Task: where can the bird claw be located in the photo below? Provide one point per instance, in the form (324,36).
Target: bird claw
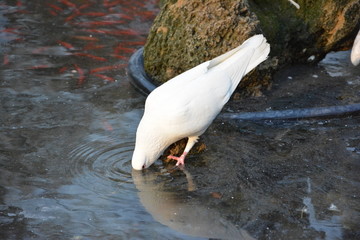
(180,160)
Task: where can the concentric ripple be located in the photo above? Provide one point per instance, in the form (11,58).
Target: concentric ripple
(102,164)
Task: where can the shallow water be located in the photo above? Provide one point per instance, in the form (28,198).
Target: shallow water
(67,131)
(68,118)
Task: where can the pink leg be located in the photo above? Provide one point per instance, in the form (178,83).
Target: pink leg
(180,160)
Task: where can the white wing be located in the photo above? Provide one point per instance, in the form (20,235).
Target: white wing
(187,104)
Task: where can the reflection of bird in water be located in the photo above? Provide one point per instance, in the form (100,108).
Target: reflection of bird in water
(186,105)
(186,215)
(355,51)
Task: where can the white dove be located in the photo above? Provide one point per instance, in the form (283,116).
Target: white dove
(355,51)
(187,104)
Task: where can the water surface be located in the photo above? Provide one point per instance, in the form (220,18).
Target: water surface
(68,117)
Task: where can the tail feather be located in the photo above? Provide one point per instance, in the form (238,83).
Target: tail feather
(241,60)
(260,54)
(236,63)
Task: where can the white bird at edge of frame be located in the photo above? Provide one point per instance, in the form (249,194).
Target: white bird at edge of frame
(355,51)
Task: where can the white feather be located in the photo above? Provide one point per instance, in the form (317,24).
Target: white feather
(295,4)
(186,105)
(355,51)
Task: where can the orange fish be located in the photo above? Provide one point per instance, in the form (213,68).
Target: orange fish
(147,14)
(109,4)
(94,31)
(68,3)
(72,16)
(119,57)
(91,46)
(85,5)
(107,78)
(123,49)
(140,4)
(6,59)
(40,66)
(97,23)
(86,38)
(90,56)
(53,13)
(10,30)
(55,7)
(107,68)
(129,32)
(94,14)
(63,69)
(81,73)
(66,45)
(135,43)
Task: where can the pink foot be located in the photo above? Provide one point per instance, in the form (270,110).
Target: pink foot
(180,160)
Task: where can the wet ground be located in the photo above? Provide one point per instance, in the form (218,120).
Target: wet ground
(68,117)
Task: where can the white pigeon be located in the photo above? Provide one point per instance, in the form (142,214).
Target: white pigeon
(187,104)
(355,51)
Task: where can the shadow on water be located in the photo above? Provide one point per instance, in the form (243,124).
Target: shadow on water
(182,210)
(68,117)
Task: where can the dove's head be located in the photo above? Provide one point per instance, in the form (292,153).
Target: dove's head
(150,144)
(145,155)
(139,160)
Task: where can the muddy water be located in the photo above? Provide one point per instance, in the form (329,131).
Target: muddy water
(68,117)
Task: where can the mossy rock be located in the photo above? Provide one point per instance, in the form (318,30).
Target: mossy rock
(315,29)
(187,33)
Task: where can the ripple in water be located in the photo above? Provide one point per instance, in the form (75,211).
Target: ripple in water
(102,164)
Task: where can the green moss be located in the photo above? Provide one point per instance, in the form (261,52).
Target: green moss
(187,33)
